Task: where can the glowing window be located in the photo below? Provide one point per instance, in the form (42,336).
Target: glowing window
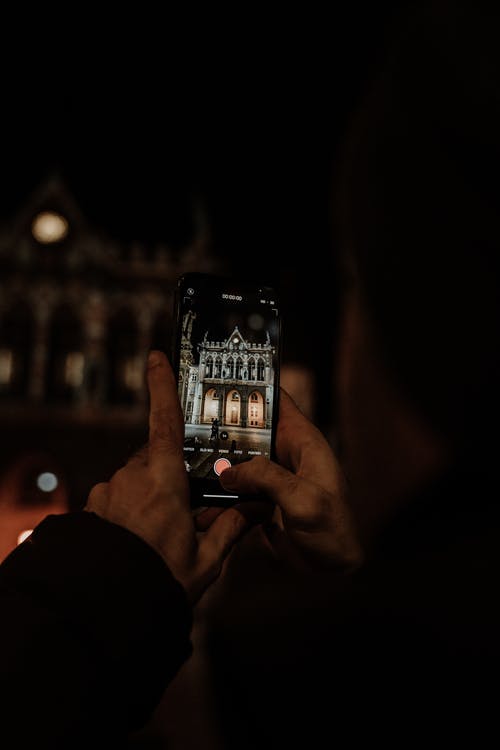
(6,366)
(73,369)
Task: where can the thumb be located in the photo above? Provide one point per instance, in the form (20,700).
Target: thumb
(260,476)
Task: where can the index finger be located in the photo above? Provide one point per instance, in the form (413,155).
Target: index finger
(166,423)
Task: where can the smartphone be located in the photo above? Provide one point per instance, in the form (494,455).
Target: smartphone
(226,356)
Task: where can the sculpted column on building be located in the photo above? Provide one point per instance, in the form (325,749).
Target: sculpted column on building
(44,302)
(197,377)
(95,365)
(232,380)
(186,358)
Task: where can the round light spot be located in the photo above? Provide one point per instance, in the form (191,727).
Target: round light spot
(49,226)
(47,482)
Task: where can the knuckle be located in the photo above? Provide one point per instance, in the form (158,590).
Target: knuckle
(235,521)
(156,489)
(140,455)
(97,495)
(209,567)
(322,508)
(98,489)
(160,413)
(291,482)
(163,420)
(163,433)
(316,509)
(122,475)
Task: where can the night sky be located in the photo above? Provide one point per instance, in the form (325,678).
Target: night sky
(245,118)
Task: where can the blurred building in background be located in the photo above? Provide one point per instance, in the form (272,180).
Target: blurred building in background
(79,311)
(78,314)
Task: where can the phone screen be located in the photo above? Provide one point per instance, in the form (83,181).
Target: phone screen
(227,352)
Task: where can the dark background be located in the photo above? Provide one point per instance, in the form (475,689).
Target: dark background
(240,114)
(244,115)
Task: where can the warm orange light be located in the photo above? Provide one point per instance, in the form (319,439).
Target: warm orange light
(6,366)
(133,373)
(48,227)
(23,535)
(74,369)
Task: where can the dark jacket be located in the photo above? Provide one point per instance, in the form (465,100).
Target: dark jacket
(93,626)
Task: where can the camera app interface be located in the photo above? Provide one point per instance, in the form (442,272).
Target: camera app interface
(228,358)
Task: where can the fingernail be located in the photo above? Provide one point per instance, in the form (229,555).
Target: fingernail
(154,359)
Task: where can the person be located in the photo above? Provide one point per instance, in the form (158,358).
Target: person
(214,433)
(98,604)
(401,651)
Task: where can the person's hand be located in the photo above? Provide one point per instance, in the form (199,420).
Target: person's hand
(150,494)
(312,524)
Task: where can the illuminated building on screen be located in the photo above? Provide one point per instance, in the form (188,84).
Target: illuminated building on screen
(233,380)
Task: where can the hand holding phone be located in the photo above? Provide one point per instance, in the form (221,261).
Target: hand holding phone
(226,354)
(149,496)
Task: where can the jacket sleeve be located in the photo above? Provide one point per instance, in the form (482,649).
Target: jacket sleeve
(93,626)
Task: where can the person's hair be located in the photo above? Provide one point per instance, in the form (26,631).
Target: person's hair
(418,205)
